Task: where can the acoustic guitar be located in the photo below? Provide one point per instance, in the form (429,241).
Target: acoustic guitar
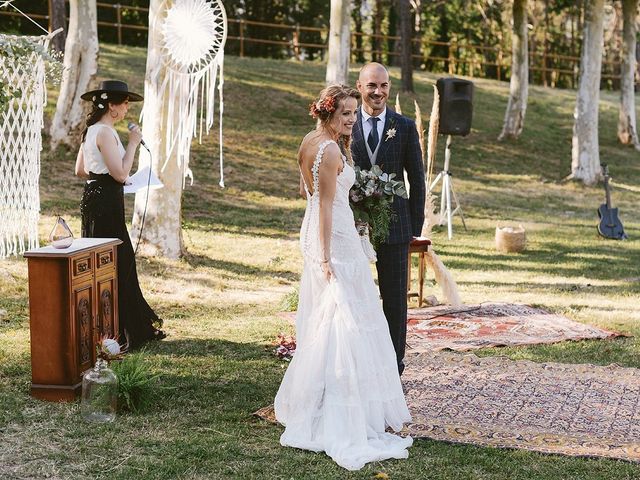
(610,225)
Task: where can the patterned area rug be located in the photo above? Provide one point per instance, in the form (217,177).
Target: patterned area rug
(577,410)
(491,325)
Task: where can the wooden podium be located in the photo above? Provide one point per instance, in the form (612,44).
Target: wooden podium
(73,302)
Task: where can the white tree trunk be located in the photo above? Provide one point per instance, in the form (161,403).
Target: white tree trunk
(627,133)
(585,155)
(80,66)
(339,42)
(162,230)
(519,83)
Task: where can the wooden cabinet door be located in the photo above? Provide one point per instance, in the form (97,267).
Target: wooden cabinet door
(82,325)
(106,324)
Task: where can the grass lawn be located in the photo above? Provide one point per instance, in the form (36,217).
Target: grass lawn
(220,303)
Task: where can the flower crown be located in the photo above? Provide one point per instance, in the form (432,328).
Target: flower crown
(327,106)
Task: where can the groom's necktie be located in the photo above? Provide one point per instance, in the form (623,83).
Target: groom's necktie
(373,135)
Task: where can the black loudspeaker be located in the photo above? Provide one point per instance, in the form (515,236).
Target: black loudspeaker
(456,105)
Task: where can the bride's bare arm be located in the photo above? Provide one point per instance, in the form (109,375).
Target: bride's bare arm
(303,193)
(327,178)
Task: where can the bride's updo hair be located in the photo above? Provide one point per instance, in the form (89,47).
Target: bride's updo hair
(327,104)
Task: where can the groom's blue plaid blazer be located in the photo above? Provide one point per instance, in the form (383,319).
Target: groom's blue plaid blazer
(395,155)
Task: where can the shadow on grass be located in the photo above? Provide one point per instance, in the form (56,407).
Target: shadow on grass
(619,351)
(238,267)
(599,261)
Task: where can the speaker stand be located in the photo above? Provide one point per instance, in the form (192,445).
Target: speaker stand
(447,193)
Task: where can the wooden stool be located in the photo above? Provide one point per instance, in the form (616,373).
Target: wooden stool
(419,246)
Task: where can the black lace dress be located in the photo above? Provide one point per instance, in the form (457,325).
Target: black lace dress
(102,211)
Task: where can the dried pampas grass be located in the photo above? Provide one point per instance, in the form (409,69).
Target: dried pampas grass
(431,218)
(432,138)
(444,279)
(397,107)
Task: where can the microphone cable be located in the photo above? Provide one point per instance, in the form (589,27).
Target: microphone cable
(131,126)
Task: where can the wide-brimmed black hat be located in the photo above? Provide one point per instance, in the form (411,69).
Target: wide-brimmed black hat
(111,86)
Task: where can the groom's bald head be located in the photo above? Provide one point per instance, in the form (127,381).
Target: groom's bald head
(374,68)
(373,84)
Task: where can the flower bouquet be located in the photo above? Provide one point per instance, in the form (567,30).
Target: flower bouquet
(285,347)
(370,198)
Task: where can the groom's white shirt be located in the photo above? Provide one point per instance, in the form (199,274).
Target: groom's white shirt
(366,124)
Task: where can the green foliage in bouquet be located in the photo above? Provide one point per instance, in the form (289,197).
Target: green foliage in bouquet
(135,383)
(371,198)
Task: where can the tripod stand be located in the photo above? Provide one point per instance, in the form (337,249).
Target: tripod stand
(447,193)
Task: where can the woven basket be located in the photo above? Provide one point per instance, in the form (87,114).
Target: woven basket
(510,239)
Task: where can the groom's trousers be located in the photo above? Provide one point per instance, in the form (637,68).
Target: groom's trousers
(392,280)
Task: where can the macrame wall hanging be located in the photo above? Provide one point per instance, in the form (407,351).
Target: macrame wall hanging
(193,34)
(22,68)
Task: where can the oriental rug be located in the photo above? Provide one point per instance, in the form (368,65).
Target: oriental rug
(568,409)
(491,325)
(576,410)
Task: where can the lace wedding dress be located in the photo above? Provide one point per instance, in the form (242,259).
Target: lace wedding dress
(342,388)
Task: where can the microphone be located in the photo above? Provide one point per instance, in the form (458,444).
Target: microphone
(131,126)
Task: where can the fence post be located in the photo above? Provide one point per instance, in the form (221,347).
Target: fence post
(544,66)
(241,38)
(296,42)
(119,20)
(499,62)
(451,60)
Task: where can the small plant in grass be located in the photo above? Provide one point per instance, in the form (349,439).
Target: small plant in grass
(135,383)
(289,302)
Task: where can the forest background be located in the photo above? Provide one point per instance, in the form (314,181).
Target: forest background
(461,37)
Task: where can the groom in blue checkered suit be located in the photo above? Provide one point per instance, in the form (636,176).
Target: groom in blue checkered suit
(384,138)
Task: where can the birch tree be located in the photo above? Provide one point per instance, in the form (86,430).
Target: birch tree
(585,155)
(627,133)
(519,82)
(162,210)
(339,42)
(80,66)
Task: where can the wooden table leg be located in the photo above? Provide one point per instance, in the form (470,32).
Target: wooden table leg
(421,267)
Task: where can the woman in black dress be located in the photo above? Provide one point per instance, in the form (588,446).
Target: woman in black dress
(105,163)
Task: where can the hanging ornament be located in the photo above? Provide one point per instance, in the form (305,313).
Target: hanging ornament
(193,34)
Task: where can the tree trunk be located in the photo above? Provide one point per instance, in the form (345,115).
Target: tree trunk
(376,41)
(585,155)
(162,229)
(393,45)
(357,21)
(406,37)
(57,20)
(80,66)
(519,83)
(627,133)
(417,32)
(339,42)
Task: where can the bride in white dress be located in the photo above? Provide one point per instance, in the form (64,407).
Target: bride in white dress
(342,388)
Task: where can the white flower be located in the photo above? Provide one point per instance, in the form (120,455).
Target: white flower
(111,346)
(104,96)
(390,134)
(100,105)
(93,99)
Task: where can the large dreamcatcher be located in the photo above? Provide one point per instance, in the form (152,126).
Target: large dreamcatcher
(192,38)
